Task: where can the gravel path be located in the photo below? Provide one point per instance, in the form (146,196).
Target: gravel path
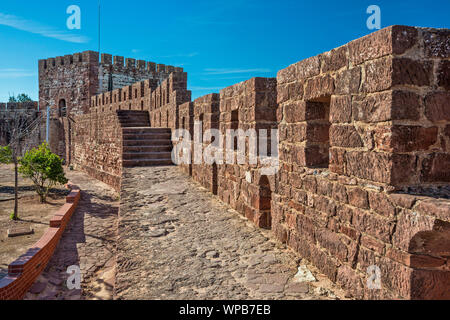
(177,241)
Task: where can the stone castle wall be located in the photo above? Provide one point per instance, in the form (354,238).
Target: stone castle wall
(68,83)
(364,157)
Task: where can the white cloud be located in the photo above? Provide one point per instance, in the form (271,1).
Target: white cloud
(37,28)
(16,73)
(234,71)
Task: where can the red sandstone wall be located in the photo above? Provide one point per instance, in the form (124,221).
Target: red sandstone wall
(186,117)
(371,104)
(97,145)
(165,100)
(247,105)
(206,110)
(356,124)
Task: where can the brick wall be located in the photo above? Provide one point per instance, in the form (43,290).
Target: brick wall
(247,105)
(97,146)
(206,111)
(364,146)
(186,122)
(368,105)
(26,269)
(166,99)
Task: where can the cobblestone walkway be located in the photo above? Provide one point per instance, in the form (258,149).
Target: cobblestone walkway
(88,242)
(177,241)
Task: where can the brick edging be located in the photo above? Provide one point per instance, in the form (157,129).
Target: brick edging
(26,269)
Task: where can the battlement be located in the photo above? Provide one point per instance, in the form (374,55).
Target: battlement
(106,60)
(10,106)
(143,95)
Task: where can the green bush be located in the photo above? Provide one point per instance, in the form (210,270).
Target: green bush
(44,168)
(5,155)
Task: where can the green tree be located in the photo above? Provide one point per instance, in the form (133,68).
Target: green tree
(23,97)
(44,168)
(6,155)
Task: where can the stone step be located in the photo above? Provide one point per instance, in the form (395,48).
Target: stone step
(147,136)
(146,155)
(133,116)
(133,143)
(146,162)
(135,124)
(131,112)
(138,130)
(149,148)
(138,120)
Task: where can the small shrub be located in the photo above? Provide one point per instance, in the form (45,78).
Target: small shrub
(12,216)
(44,168)
(6,155)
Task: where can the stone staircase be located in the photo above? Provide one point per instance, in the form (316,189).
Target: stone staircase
(143,145)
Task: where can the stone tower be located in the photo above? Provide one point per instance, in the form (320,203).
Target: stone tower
(67,83)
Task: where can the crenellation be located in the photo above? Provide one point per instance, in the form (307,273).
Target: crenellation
(106,59)
(51,62)
(141,64)
(118,61)
(77,58)
(151,66)
(90,57)
(170,69)
(60,61)
(160,68)
(130,63)
(68,59)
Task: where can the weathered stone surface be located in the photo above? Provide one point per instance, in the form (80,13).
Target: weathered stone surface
(394,39)
(335,59)
(209,252)
(435,168)
(358,197)
(345,136)
(341,109)
(320,87)
(437,106)
(437,43)
(444,74)
(399,138)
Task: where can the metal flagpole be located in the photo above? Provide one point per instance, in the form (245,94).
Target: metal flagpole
(99,54)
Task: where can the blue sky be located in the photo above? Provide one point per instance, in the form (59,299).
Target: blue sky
(219,43)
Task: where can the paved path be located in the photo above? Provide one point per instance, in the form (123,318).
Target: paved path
(88,242)
(177,241)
